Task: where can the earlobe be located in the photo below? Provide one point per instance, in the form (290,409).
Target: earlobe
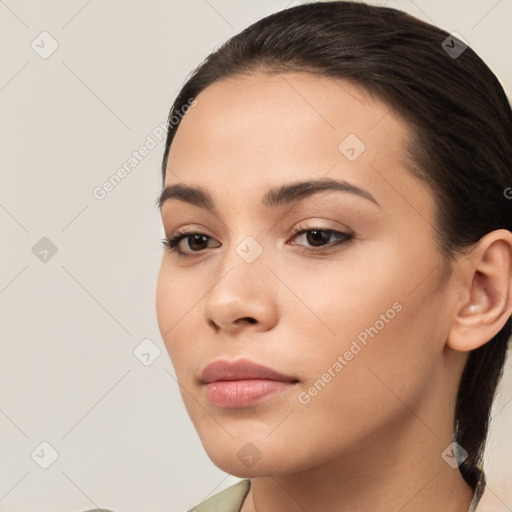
(488,302)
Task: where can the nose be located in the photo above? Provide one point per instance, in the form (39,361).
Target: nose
(242,298)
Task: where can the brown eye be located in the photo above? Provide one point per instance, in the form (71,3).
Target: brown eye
(197,242)
(318,238)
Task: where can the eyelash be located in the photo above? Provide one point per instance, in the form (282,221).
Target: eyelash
(172,242)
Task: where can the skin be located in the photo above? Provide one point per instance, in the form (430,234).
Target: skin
(372,438)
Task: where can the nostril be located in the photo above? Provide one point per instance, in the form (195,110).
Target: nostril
(249,319)
(213,324)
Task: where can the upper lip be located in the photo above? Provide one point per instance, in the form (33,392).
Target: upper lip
(240,370)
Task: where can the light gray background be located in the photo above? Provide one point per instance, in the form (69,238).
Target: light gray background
(69,326)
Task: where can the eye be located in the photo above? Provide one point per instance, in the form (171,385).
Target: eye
(193,242)
(318,238)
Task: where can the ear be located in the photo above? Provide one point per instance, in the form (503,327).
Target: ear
(487,298)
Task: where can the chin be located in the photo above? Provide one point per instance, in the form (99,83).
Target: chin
(245,460)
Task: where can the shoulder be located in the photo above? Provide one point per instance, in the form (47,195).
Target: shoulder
(228,500)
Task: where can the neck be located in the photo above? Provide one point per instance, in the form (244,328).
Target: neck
(403,472)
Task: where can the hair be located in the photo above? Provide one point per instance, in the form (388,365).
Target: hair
(460,143)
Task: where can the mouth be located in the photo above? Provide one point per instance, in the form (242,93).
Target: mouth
(242,383)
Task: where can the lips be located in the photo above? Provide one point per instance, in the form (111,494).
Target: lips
(242,383)
(242,369)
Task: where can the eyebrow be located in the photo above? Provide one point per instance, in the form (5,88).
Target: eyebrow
(281,195)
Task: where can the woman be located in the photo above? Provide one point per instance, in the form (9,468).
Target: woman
(335,293)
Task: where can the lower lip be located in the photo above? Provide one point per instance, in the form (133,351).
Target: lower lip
(243,393)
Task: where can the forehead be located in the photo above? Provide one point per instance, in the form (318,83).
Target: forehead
(286,113)
(287,101)
(250,132)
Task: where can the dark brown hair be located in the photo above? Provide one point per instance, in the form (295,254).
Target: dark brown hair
(461,135)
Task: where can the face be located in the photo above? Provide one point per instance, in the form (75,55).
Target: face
(336,284)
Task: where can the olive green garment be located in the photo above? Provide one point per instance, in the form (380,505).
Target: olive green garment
(228,500)
(232,498)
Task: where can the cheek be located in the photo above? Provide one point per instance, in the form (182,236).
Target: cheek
(165,305)
(174,306)
(379,313)
(346,294)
